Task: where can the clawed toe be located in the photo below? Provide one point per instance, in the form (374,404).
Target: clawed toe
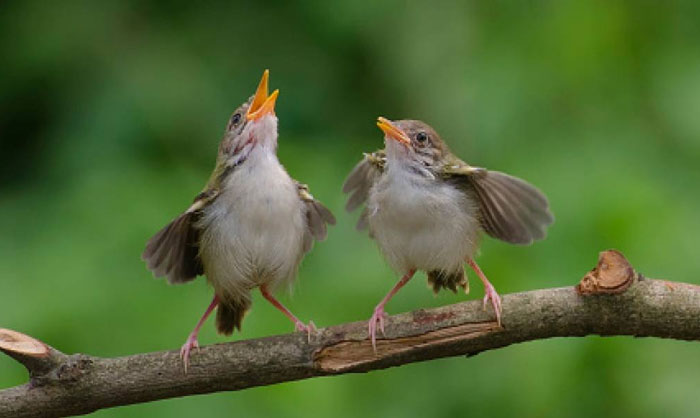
(377,319)
(186,349)
(308,329)
(495,299)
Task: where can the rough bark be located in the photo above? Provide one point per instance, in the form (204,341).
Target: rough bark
(610,300)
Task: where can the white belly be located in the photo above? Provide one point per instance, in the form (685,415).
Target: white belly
(253,232)
(422,224)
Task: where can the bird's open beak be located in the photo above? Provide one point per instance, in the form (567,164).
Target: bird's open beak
(262,103)
(392,131)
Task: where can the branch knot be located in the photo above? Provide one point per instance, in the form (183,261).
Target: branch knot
(613,274)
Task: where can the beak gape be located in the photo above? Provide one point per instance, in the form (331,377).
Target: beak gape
(263,103)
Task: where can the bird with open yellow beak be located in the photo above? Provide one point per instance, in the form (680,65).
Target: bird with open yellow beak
(427,209)
(249,228)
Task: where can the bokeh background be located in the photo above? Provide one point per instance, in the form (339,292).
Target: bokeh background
(110,116)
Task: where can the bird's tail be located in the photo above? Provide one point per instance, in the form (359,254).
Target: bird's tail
(230,314)
(439,279)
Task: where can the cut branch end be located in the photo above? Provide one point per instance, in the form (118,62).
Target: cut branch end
(36,356)
(22,344)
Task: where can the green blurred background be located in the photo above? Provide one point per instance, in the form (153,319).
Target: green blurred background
(110,116)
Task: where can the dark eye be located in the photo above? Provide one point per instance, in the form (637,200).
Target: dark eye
(235,119)
(421,137)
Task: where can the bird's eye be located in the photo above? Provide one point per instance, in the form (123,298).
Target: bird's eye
(235,119)
(421,137)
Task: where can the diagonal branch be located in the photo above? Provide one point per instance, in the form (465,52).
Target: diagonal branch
(611,300)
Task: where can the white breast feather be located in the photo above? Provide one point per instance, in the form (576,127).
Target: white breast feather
(422,223)
(253,233)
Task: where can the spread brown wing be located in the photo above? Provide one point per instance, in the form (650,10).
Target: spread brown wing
(173,251)
(511,209)
(317,217)
(360,181)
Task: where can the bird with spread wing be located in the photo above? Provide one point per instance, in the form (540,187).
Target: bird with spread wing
(427,209)
(249,228)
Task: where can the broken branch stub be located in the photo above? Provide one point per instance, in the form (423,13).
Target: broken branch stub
(612,274)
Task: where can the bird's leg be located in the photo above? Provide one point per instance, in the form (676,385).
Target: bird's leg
(379,314)
(489,290)
(192,339)
(298,325)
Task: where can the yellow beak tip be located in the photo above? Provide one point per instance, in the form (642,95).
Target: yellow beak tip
(392,131)
(261,98)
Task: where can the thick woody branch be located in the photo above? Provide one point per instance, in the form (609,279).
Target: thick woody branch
(611,300)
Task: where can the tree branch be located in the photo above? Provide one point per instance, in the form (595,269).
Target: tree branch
(610,300)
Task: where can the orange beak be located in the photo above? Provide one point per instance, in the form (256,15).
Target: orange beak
(262,103)
(392,131)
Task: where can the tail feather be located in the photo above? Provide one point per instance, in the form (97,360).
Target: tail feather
(229,315)
(438,279)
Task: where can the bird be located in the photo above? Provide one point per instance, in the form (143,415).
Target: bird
(249,228)
(427,210)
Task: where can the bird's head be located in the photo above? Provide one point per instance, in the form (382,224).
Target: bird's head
(412,143)
(253,124)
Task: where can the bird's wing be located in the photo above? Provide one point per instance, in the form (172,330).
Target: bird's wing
(173,251)
(317,216)
(360,181)
(510,209)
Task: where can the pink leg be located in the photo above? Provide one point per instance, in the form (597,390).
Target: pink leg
(192,339)
(298,325)
(379,314)
(489,290)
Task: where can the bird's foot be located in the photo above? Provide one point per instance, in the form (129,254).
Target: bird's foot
(187,348)
(308,329)
(377,319)
(492,295)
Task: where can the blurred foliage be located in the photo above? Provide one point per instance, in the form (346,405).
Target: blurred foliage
(111,112)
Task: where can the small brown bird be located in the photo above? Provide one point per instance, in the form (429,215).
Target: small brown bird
(426,209)
(250,226)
